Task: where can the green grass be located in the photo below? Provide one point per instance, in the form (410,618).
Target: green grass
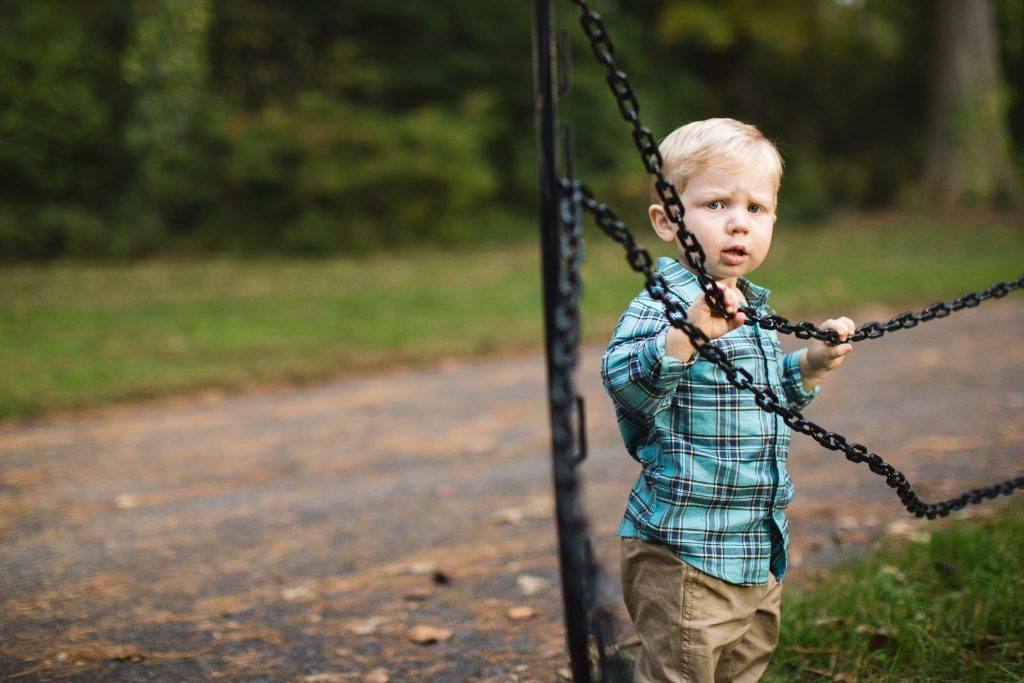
(949,609)
(76,335)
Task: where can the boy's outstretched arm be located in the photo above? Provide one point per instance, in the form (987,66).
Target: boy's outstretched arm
(819,358)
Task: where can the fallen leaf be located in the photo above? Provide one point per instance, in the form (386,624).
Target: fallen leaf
(848,522)
(296,592)
(531,585)
(377,676)
(422,634)
(126,501)
(520,613)
(892,571)
(421,568)
(511,516)
(906,530)
(368,626)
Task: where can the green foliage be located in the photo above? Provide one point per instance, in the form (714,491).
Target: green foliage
(947,609)
(141,127)
(326,175)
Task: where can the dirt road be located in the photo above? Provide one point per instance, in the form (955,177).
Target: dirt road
(299,535)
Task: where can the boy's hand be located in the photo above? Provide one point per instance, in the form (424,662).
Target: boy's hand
(699,314)
(819,358)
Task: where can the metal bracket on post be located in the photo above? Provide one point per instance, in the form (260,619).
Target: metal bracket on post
(564,63)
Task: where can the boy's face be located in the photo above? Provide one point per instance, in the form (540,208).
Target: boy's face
(732,214)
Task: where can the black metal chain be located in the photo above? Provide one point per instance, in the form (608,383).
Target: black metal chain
(647,144)
(640,260)
(629,107)
(874,330)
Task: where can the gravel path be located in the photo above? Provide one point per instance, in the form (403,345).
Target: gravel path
(301,535)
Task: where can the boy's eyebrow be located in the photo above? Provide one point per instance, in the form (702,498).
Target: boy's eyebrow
(713,192)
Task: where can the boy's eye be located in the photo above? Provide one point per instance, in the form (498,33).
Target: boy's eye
(714,204)
(754,208)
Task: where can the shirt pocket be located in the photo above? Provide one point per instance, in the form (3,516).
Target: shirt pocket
(743,350)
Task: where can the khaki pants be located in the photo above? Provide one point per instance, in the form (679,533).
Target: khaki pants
(694,627)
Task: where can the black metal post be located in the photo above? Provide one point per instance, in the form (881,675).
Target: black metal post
(570,541)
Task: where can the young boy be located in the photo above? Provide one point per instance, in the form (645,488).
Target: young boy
(704,535)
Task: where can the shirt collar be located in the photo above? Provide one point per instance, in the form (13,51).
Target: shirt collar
(679,276)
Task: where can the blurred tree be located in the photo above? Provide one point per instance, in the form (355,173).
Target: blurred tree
(1010,28)
(969,159)
(165,63)
(837,84)
(336,136)
(61,104)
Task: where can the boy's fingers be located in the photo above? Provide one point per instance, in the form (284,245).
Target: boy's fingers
(844,327)
(849,327)
(730,298)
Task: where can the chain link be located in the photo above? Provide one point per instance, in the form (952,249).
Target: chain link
(647,145)
(641,261)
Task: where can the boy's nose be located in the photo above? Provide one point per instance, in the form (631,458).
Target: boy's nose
(737,222)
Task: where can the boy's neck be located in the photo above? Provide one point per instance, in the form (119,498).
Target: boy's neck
(732,283)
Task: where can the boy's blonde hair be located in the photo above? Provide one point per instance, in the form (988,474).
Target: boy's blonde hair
(723,143)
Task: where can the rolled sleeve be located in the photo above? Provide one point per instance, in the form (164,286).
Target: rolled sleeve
(638,375)
(792,382)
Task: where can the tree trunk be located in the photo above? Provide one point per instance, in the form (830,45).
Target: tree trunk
(968,160)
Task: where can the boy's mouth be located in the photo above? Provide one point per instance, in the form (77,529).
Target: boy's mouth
(734,255)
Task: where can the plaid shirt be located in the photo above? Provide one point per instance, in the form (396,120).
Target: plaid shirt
(713,484)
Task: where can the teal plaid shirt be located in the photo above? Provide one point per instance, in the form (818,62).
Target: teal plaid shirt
(713,485)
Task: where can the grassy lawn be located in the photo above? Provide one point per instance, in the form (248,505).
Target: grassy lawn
(78,335)
(945,609)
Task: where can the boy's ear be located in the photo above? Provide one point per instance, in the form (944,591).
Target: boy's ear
(664,228)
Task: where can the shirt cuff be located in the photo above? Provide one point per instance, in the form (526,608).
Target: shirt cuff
(670,365)
(792,382)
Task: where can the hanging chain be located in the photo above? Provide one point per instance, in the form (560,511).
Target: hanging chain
(629,107)
(647,144)
(640,260)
